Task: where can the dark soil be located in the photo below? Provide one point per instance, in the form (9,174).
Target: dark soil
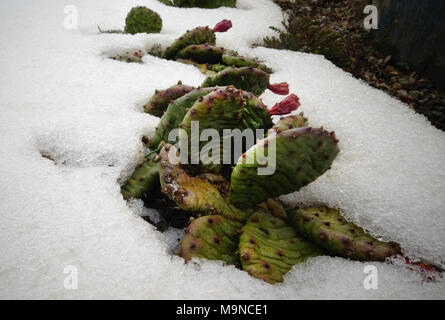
(335,29)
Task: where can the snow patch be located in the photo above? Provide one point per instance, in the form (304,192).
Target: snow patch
(60,95)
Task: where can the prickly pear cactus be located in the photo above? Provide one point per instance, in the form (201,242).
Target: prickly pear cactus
(199,35)
(142,20)
(269,247)
(232,58)
(159,102)
(175,114)
(202,53)
(326,227)
(302,155)
(246,78)
(194,194)
(144,180)
(212,237)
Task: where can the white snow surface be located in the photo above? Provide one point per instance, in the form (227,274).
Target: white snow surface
(61,97)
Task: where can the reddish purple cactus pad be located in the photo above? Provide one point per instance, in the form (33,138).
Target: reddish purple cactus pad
(286,106)
(223,26)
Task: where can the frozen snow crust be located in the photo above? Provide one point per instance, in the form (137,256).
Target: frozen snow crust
(61,97)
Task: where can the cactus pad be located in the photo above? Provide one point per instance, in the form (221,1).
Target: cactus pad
(246,78)
(327,228)
(175,114)
(302,155)
(144,180)
(199,35)
(129,57)
(290,122)
(142,20)
(156,50)
(222,109)
(195,194)
(269,247)
(159,102)
(289,104)
(211,237)
(218,67)
(202,53)
(232,58)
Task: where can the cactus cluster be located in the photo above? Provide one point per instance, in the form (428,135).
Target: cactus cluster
(234,214)
(223,67)
(197,47)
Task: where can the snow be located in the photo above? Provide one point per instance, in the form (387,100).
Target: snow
(62,98)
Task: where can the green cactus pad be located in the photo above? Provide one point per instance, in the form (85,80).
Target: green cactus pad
(225,108)
(195,194)
(212,237)
(290,122)
(269,247)
(327,228)
(302,155)
(246,78)
(204,68)
(135,57)
(175,114)
(199,35)
(142,20)
(145,179)
(202,53)
(156,50)
(207,4)
(232,58)
(159,102)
